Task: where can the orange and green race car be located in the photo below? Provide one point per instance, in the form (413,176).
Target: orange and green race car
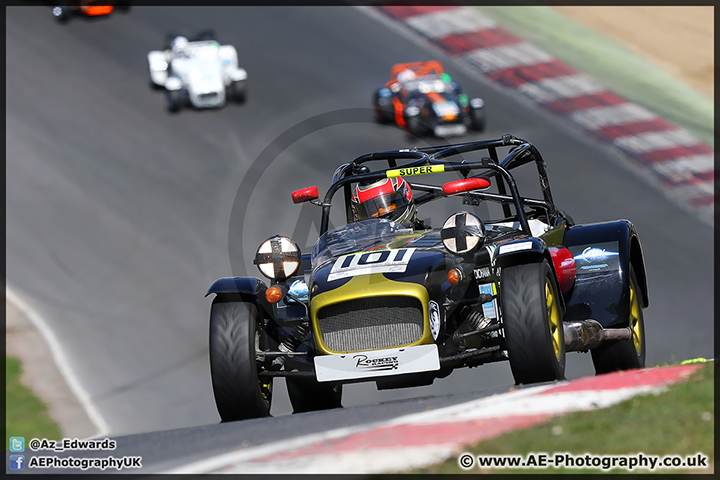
(88,8)
(423,99)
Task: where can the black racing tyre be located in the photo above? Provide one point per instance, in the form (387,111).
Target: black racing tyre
(624,354)
(167,43)
(234,339)
(415,126)
(237,91)
(477,119)
(155,86)
(308,395)
(382,115)
(532,320)
(173,101)
(208,34)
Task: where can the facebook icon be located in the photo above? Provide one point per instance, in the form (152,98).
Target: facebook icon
(17,462)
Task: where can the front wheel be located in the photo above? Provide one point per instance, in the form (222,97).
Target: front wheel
(237,91)
(308,395)
(477,119)
(624,354)
(173,101)
(234,342)
(532,321)
(415,126)
(380,107)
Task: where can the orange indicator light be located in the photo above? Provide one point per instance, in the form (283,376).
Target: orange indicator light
(274,294)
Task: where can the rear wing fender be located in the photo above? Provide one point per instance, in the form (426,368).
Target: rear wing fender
(603,254)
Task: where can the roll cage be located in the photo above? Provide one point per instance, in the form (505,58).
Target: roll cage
(432,159)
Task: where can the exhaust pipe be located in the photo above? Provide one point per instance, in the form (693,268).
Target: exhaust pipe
(588,334)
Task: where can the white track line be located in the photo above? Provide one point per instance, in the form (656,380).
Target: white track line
(651,141)
(61,361)
(599,117)
(443,23)
(528,401)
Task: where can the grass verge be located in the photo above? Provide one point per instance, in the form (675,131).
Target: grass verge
(612,64)
(25,414)
(677,422)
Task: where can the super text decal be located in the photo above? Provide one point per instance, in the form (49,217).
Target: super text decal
(409,171)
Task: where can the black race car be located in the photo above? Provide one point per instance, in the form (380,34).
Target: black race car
(422,98)
(401,304)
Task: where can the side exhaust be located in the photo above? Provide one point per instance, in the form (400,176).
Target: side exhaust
(588,334)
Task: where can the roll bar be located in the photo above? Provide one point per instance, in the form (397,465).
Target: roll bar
(430,160)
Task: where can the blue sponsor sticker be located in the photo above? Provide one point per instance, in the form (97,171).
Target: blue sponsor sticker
(488,308)
(299,289)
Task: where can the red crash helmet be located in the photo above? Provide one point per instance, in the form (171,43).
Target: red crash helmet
(388,198)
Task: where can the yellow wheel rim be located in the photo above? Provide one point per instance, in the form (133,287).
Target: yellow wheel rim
(635,313)
(553,320)
(266,389)
(264,382)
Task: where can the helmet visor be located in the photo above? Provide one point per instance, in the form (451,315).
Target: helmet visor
(380,206)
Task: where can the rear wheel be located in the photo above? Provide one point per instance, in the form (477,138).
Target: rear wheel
(308,395)
(234,342)
(532,321)
(204,35)
(624,354)
(169,37)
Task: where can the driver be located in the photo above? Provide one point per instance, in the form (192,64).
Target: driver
(389,198)
(179,45)
(406,76)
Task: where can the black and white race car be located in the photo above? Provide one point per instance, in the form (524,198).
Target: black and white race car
(197,72)
(390,300)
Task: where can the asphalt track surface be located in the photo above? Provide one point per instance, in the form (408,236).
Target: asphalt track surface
(119,215)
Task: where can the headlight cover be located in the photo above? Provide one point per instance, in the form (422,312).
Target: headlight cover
(462,233)
(278,258)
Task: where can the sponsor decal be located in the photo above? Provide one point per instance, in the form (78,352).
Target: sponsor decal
(378,363)
(514,247)
(363,362)
(299,289)
(483,272)
(385,261)
(434,311)
(598,258)
(405,172)
(489,308)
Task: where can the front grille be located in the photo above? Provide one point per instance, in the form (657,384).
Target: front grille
(371,323)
